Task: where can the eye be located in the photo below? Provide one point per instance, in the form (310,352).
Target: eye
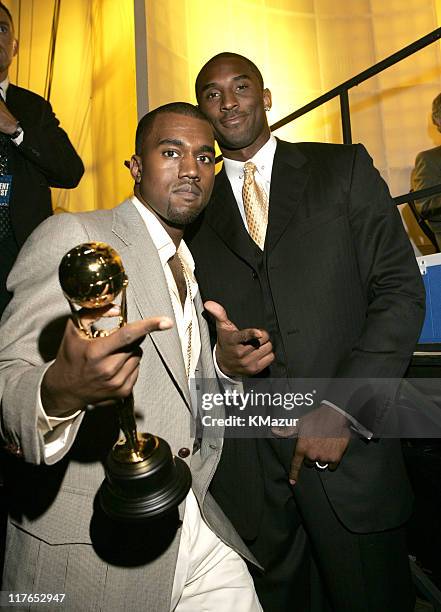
(4,29)
(242,86)
(212,95)
(205,159)
(170,153)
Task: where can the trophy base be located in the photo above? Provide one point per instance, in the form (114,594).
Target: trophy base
(145,489)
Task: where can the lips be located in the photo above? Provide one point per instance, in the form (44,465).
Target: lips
(231,120)
(188,188)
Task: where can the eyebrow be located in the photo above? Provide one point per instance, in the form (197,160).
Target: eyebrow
(207,149)
(239,77)
(172,141)
(179,143)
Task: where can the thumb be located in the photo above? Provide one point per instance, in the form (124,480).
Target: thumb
(219,314)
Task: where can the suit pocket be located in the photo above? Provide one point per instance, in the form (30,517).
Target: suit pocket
(331,215)
(66,521)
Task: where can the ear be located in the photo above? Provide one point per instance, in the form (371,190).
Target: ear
(136,168)
(267,100)
(14,47)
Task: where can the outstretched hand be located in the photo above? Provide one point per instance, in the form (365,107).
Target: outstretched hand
(95,371)
(239,352)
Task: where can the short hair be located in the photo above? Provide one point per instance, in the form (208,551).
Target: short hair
(177,108)
(8,13)
(227,54)
(436,112)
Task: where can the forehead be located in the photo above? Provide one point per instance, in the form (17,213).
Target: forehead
(4,18)
(224,69)
(190,131)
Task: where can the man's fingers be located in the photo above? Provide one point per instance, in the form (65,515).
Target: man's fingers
(219,314)
(130,334)
(251,336)
(296,464)
(258,359)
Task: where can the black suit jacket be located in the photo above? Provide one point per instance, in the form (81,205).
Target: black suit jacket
(349,303)
(45,158)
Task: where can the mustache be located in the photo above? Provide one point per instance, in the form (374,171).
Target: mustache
(187,187)
(228,115)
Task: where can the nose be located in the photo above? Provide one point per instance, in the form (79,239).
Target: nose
(229,101)
(189,168)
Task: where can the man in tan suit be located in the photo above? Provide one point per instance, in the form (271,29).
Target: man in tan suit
(58,540)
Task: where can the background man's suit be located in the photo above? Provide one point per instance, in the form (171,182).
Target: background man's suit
(51,528)
(338,289)
(427,173)
(44,159)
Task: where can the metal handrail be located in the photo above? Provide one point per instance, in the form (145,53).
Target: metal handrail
(342,90)
(344,87)
(417,195)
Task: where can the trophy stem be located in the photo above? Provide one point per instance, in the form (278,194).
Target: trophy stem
(128,424)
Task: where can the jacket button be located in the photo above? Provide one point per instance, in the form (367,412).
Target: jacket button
(254,275)
(183,452)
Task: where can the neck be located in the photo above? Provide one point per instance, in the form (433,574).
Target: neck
(3,74)
(175,232)
(245,153)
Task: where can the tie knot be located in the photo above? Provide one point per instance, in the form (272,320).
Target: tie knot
(249,169)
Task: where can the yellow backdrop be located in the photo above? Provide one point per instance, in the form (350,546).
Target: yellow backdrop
(304,48)
(93,90)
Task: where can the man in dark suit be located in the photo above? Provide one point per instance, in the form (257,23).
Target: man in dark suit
(35,154)
(427,173)
(329,290)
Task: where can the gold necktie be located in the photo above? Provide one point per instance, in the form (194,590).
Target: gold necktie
(255,202)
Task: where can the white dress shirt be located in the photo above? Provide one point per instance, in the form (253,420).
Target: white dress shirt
(263,161)
(3,89)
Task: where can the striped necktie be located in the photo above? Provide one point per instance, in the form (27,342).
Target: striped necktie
(255,202)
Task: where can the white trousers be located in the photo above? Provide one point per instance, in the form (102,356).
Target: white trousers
(210,576)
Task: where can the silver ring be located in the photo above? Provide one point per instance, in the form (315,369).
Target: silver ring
(89,407)
(322,466)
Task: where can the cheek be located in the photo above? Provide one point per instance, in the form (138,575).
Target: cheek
(207,179)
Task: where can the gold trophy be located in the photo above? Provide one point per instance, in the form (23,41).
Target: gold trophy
(143,479)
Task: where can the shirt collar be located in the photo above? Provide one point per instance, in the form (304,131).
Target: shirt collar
(263,159)
(162,241)
(4,87)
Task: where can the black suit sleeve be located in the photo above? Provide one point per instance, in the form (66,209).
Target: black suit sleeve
(394,291)
(47,146)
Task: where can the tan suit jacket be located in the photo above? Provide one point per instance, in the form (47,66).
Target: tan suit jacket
(57,539)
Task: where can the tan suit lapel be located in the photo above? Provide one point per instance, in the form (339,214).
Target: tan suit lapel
(148,288)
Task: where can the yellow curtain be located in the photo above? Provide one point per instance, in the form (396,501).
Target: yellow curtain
(304,48)
(93,89)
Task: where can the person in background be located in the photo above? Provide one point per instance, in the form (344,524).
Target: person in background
(427,173)
(35,154)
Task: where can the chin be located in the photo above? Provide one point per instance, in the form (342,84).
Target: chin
(185,217)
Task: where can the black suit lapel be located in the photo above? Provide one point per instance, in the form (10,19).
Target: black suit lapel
(289,178)
(224,217)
